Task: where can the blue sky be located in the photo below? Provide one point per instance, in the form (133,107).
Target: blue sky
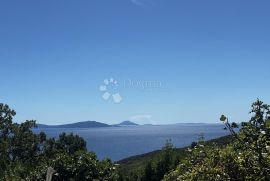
(208,57)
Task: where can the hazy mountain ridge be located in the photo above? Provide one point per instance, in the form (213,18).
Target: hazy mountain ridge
(96,124)
(86,124)
(127,123)
(83,124)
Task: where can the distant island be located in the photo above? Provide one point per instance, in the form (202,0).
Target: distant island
(87,124)
(126,123)
(96,124)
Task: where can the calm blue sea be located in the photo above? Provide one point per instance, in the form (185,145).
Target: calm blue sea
(121,142)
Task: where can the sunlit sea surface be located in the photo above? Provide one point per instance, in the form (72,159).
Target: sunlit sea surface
(117,143)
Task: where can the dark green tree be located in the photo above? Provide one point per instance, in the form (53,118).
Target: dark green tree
(148,172)
(25,155)
(246,158)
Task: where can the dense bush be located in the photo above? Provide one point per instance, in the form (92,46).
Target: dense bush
(247,158)
(27,156)
(167,160)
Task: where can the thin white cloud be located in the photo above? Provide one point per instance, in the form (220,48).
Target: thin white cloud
(142,3)
(137,2)
(142,119)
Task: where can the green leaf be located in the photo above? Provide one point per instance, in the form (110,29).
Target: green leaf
(223,118)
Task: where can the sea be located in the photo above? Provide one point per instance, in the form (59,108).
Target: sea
(118,143)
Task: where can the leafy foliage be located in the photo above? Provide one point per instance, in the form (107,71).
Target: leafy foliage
(27,156)
(247,158)
(154,166)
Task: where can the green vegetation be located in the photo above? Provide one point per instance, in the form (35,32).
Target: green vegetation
(138,167)
(27,156)
(243,155)
(246,158)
